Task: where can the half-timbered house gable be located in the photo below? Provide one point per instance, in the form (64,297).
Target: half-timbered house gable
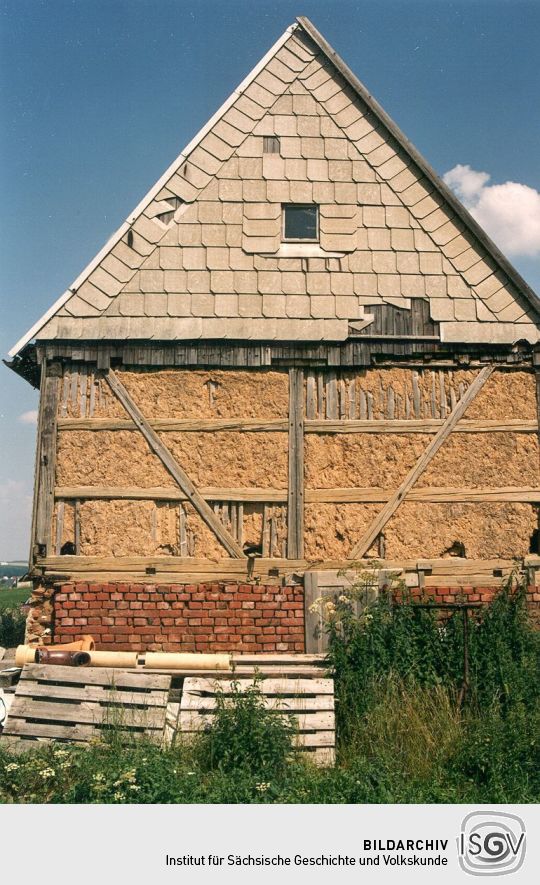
(206,255)
(299,352)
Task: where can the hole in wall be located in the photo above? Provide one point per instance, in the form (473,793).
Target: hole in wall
(456,549)
(165,217)
(271,144)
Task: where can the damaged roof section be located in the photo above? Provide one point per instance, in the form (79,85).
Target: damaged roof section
(205,254)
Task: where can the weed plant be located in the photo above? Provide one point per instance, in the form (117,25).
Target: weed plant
(247,736)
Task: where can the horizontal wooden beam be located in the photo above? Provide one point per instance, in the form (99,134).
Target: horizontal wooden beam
(187,425)
(209,493)
(280,425)
(227,565)
(506,494)
(422,425)
(450,571)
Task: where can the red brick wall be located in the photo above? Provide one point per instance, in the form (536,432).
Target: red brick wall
(204,617)
(191,617)
(466,593)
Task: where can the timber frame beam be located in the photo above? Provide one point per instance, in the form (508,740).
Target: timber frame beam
(322,425)
(247,495)
(447,572)
(45,466)
(177,472)
(536,363)
(295,497)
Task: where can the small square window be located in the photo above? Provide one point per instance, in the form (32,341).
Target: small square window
(301,222)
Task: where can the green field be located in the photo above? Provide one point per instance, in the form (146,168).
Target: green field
(13,597)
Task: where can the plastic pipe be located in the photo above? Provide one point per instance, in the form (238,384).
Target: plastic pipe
(155,660)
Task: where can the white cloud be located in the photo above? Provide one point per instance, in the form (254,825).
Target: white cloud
(509,212)
(466,182)
(28,417)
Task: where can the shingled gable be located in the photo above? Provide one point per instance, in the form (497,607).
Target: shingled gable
(202,256)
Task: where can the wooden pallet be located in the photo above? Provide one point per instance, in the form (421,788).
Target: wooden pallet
(79,704)
(309,701)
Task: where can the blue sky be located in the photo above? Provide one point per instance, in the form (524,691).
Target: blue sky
(97,97)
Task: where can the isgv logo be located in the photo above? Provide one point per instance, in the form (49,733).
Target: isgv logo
(491,843)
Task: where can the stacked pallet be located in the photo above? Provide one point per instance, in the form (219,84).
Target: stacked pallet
(80,704)
(308,702)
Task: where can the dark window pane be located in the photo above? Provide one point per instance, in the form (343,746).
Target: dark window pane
(301,222)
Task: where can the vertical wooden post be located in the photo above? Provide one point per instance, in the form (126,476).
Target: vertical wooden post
(42,542)
(77,532)
(536,364)
(315,637)
(295,498)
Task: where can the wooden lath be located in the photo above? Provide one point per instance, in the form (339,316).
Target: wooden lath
(343,401)
(362,546)
(177,472)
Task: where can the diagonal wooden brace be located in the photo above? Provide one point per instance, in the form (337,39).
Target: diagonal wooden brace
(362,546)
(169,462)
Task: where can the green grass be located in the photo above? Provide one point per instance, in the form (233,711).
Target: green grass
(14,597)
(413,747)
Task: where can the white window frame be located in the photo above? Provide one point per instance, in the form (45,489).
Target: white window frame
(284,207)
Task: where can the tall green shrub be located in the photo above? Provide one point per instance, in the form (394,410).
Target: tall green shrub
(421,645)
